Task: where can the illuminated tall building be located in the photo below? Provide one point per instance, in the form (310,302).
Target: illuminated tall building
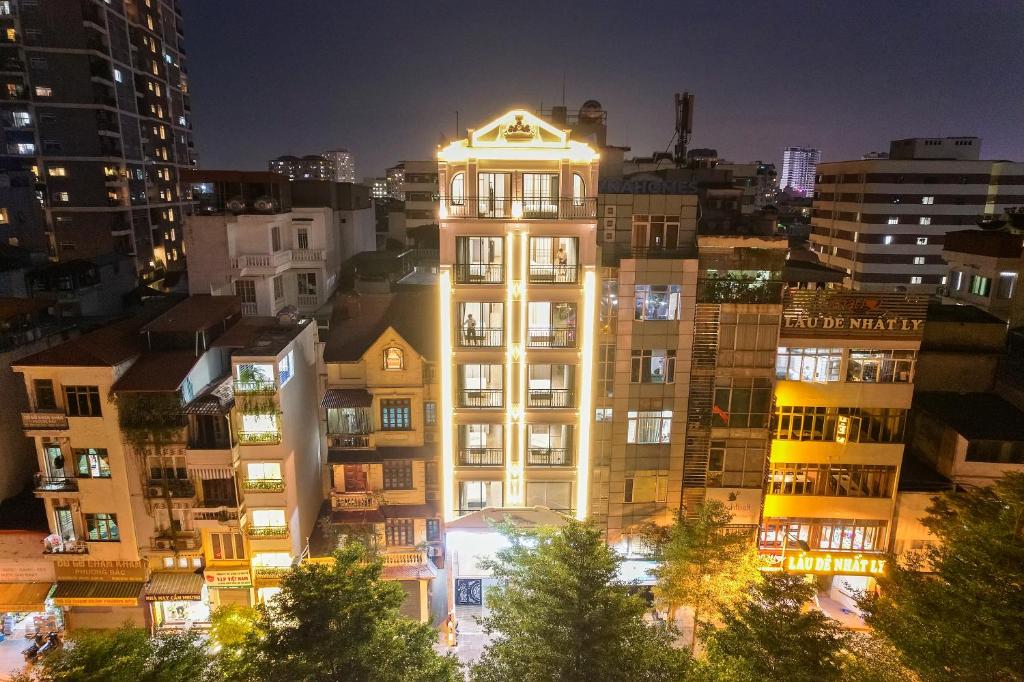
(518,279)
(798,168)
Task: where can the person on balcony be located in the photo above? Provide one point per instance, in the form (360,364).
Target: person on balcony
(470,329)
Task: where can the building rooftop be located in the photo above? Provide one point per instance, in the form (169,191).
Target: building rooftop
(965,314)
(357,326)
(260,336)
(917,477)
(157,372)
(104,347)
(975,416)
(196,313)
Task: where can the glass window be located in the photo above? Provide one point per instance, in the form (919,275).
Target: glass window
(649,426)
(45,397)
(579,189)
(394,358)
(551,494)
(275,239)
(83,401)
(658,302)
(263,471)
(396,414)
(246,290)
(808,364)
(278,287)
(653,366)
(493,194)
(433,530)
(474,495)
(553,259)
(399,532)
(284,368)
(481,324)
(92,462)
(881,366)
(458,194)
(1007,283)
(647,486)
(302,237)
(259,423)
(430,413)
(306,282)
(102,528)
(398,475)
(741,403)
(268,518)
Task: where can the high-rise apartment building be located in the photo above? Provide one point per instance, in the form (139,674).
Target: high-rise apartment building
(95,105)
(799,166)
(884,221)
(309,167)
(344,165)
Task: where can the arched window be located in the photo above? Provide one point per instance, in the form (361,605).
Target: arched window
(579,189)
(458,195)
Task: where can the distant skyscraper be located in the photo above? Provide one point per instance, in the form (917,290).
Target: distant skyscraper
(344,164)
(311,167)
(378,187)
(798,167)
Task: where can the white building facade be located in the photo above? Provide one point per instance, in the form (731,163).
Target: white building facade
(799,165)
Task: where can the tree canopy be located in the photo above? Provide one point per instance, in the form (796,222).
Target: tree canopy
(956,611)
(560,613)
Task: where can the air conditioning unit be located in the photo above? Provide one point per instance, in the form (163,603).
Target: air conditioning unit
(264,204)
(156,491)
(161,543)
(235,204)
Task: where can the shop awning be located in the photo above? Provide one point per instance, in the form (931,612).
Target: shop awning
(21,597)
(335,398)
(174,586)
(88,593)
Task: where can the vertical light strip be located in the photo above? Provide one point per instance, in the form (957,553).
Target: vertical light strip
(510,292)
(586,394)
(447,367)
(524,323)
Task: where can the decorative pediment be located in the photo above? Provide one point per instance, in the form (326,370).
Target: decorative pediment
(519,128)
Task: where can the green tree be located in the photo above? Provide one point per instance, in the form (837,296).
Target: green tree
(705,565)
(965,618)
(337,621)
(559,613)
(772,635)
(127,654)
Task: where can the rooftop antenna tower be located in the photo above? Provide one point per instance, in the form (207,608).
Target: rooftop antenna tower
(684,126)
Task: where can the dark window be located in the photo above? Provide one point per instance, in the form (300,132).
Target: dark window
(395,415)
(398,475)
(227,546)
(430,413)
(399,532)
(433,530)
(45,398)
(83,401)
(102,528)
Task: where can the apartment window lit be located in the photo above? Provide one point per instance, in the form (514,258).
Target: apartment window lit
(652,366)
(658,302)
(44,91)
(92,462)
(980,286)
(881,366)
(646,486)
(928,200)
(268,518)
(399,532)
(458,192)
(579,189)
(102,528)
(1007,285)
(474,495)
(918,260)
(916,279)
(556,495)
(893,220)
(888,239)
(398,475)
(924,220)
(3,216)
(655,232)
(24,148)
(922,241)
(21,119)
(396,414)
(62,197)
(553,259)
(5,8)
(479,260)
(653,426)
(808,364)
(118,76)
(603,414)
(227,546)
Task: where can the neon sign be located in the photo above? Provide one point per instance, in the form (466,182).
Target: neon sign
(853,564)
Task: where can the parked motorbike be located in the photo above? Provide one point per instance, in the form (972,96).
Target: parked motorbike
(33,651)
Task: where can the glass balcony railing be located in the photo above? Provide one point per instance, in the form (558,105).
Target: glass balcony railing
(554,273)
(551,337)
(481,337)
(550,397)
(481,457)
(481,397)
(479,273)
(525,208)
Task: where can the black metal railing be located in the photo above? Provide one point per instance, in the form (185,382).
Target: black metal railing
(549,457)
(481,397)
(550,397)
(526,208)
(481,337)
(481,457)
(554,274)
(479,273)
(170,487)
(348,440)
(551,337)
(55,484)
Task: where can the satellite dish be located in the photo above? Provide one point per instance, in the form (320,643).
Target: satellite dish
(236,205)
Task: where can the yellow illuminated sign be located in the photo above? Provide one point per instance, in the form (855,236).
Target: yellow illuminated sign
(846,564)
(842,428)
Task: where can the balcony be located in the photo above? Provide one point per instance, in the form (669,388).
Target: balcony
(66,547)
(549,457)
(348,441)
(481,397)
(357,501)
(408,558)
(527,208)
(258,532)
(260,263)
(212,517)
(54,484)
(259,437)
(257,387)
(44,421)
(554,274)
(479,273)
(308,255)
(481,457)
(550,397)
(481,337)
(270,572)
(307,300)
(551,337)
(173,487)
(263,485)
(176,540)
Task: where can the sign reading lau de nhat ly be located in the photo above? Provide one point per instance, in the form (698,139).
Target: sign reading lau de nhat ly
(813,562)
(896,324)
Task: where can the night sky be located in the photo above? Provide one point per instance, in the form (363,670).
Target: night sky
(384,78)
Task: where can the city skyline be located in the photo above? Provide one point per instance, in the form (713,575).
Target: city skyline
(790,76)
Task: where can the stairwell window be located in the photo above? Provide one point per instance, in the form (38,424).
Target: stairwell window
(980,286)
(83,401)
(102,528)
(658,302)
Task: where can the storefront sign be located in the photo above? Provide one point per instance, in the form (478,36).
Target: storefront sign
(174,597)
(842,428)
(881,324)
(813,562)
(232,578)
(97,601)
(653,185)
(67,569)
(26,571)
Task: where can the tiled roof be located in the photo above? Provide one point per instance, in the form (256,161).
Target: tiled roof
(346,397)
(357,326)
(104,347)
(195,313)
(158,371)
(216,399)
